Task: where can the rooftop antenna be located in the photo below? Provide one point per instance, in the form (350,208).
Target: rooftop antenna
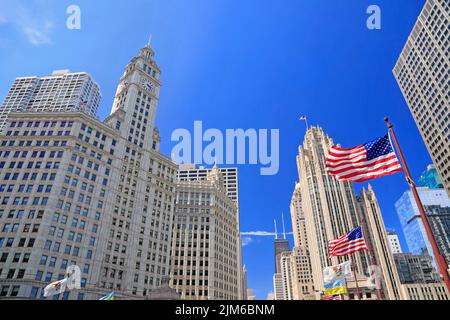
(276,231)
(284,229)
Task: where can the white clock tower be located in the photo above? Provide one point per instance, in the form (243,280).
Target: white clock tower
(145,186)
(137,94)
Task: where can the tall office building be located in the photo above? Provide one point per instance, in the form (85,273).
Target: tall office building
(377,240)
(140,230)
(205,255)
(298,218)
(286,275)
(278,286)
(419,278)
(437,208)
(426,291)
(331,209)
(190,172)
(394,242)
(282,284)
(329,206)
(280,246)
(60,92)
(99,195)
(416,268)
(303,285)
(422,74)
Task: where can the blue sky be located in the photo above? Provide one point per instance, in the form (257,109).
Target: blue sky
(239,64)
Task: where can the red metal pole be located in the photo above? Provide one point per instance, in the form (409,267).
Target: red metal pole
(442,264)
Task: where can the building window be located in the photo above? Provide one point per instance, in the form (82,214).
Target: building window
(34,292)
(4,291)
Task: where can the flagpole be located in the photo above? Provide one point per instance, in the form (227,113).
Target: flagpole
(442,264)
(356,279)
(305,118)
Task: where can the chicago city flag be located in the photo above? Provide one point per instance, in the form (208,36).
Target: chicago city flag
(348,243)
(368,161)
(109,296)
(334,279)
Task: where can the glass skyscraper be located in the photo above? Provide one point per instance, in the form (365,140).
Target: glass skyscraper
(437,207)
(430,178)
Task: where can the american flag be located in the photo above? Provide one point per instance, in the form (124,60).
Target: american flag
(372,160)
(349,243)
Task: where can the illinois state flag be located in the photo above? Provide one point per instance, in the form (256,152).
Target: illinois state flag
(56,287)
(368,161)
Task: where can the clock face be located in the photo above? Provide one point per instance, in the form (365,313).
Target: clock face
(148,85)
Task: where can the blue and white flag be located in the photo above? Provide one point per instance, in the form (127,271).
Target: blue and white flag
(109,296)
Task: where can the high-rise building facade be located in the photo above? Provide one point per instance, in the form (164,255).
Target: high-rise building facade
(279,287)
(394,242)
(190,172)
(331,209)
(302,280)
(99,195)
(280,246)
(329,206)
(380,254)
(287,275)
(205,262)
(303,285)
(62,91)
(139,234)
(298,218)
(422,74)
(416,268)
(437,208)
(426,291)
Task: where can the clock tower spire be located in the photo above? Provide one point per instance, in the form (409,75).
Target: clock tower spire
(138,95)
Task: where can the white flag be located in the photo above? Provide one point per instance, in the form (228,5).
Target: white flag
(302,118)
(55,288)
(343,270)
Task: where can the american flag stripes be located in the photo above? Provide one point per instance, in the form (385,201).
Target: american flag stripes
(371,160)
(347,244)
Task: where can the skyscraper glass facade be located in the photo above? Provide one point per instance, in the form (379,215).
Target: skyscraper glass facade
(430,178)
(437,207)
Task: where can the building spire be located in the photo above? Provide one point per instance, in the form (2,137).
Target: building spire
(149,41)
(276,231)
(284,229)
